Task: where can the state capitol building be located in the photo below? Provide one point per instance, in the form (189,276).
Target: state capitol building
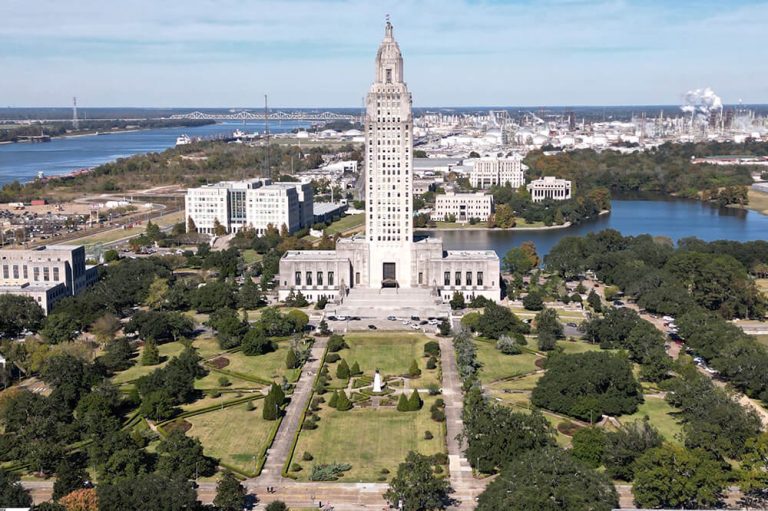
(388,256)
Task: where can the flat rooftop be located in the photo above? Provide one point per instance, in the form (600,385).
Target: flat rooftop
(463,255)
(313,255)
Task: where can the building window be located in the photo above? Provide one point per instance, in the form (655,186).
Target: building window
(56,274)
(457,280)
(37,273)
(330,278)
(469,278)
(309,278)
(389,76)
(479,278)
(15,271)
(447,278)
(5,271)
(421,278)
(357,277)
(319,278)
(26,274)
(298,278)
(46,274)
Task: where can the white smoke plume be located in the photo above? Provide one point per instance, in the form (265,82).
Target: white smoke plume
(701,103)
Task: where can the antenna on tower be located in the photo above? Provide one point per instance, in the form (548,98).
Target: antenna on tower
(74,113)
(267,170)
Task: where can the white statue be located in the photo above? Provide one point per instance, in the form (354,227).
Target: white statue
(377,381)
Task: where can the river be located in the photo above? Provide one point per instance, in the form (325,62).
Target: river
(673,218)
(62,155)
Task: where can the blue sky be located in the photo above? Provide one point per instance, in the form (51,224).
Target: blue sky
(320,53)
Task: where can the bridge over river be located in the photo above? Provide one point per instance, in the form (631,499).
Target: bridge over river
(272,116)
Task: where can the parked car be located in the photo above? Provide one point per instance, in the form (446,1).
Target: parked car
(372,327)
(392,318)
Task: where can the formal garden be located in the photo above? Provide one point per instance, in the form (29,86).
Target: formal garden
(352,432)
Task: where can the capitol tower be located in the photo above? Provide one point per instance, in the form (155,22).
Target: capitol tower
(389,167)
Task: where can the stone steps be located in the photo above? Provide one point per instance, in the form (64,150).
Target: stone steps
(380,303)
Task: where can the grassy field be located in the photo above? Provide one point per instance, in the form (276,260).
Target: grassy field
(758,201)
(762,339)
(577,347)
(368,439)
(234,435)
(521,224)
(116,234)
(391,353)
(762,285)
(250,256)
(661,414)
(270,366)
(345,223)
(495,365)
(167,351)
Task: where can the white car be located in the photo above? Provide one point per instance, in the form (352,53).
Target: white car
(341,318)
(415,326)
(406,321)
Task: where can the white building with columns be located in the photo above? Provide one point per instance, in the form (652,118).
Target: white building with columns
(491,171)
(388,259)
(549,187)
(463,206)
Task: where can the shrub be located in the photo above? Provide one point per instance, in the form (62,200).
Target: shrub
(250,406)
(402,403)
(307,456)
(316,402)
(336,343)
(334,399)
(385,471)
(309,425)
(508,346)
(332,357)
(414,371)
(343,404)
(328,472)
(533,301)
(428,435)
(224,381)
(295,467)
(414,402)
(291,361)
(432,348)
(438,415)
(276,505)
(431,363)
(440,458)
(355,369)
(433,389)
(342,370)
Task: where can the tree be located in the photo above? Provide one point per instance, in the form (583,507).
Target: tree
(414,371)
(624,446)
(498,320)
(160,326)
(191,227)
(343,403)
(417,487)
(444,327)
(342,370)
(69,477)
(147,491)
(270,412)
(230,494)
(256,342)
(504,217)
(183,456)
(520,260)
(12,493)
(323,328)
(548,479)
(290,359)
(414,402)
(218,229)
(150,355)
(158,291)
(355,369)
(674,477)
(402,403)
(84,499)
(278,394)
(19,313)
(589,446)
(59,327)
(276,505)
(588,385)
(249,296)
(753,474)
(117,355)
(508,346)
(533,301)
(594,301)
(457,301)
(334,400)
(106,327)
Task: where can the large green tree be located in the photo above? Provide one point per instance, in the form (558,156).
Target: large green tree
(19,313)
(417,487)
(548,479)
(183,456)
(230,494)
(12,494)
(147,491)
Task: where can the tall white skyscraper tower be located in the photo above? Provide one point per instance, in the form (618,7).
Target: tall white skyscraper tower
(389,166)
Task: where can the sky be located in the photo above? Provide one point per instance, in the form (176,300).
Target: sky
(320,53)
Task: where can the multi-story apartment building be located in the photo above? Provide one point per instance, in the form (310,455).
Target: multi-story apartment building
(47,273)
(254,203)
(463,206)
(488,172)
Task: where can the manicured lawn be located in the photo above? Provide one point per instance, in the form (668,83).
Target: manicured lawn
(270,366)
(762,339)
(495,365)
(234,435)
(167,351)
(345,223)
(391,353)
(207,346)
(578,346)
(211,381)
(661,415)
(250,256)
(368,439)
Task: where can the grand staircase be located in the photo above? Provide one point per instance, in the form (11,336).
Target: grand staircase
(380,303)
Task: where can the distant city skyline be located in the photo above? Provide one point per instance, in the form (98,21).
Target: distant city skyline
(313,53)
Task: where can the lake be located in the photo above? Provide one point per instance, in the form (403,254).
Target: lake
(63,155)
(673,218)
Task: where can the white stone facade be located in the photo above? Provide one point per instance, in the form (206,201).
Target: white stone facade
(488,172)
(254,203)
(463,206)
(47,274)
(549,187)
(387,255)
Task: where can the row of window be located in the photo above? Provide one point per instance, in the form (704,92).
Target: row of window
(319,276)
(14,270)
(457,278)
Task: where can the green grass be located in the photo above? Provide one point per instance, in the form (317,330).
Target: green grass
(345,223)
(368,439)
(662,416)
(762,339)
(577,347)
(270,366)
(167,351)
(391,353)
(250,256)
(234,435)
(207,346)
(495,365)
